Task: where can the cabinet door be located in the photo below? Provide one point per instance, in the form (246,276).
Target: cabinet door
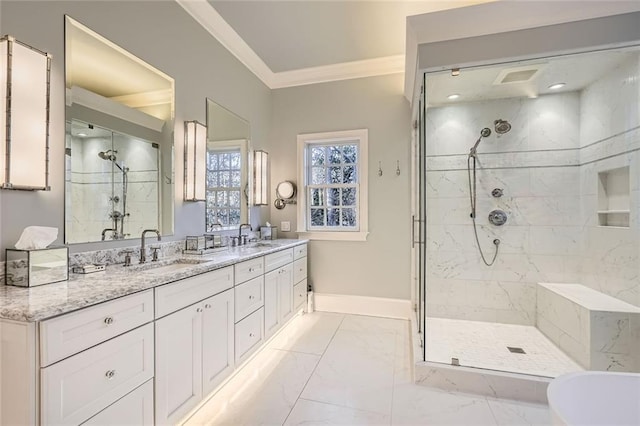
(134,409)
(285,293)
(271,303)
(217,340)
(178,363)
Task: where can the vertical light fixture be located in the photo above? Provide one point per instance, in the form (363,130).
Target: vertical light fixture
(195,160)
(24,116)
(260,176)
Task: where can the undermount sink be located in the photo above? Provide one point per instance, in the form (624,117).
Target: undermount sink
(167,264)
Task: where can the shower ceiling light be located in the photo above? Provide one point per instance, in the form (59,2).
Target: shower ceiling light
(557,86)
(82,135)
(453,96)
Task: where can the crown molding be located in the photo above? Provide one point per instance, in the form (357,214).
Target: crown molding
(213,22)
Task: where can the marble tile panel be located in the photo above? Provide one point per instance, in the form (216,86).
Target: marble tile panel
(574,349)
(309,334)
(307,412)
(356,371)
(516,413)
(611,333)
(449,184)
(555,240)
(553,121)
(556,181)
(423,405)
(602,361)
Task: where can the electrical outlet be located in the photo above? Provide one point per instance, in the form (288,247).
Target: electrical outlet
(285,226)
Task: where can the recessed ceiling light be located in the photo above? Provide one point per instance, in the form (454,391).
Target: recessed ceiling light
(557,86)
(82,135)
(453,96)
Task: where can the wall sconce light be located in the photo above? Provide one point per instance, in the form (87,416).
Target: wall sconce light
(195,160)
(24,116)
(260,176)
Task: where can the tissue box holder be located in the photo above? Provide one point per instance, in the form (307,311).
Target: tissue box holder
(30,268)
(269,232)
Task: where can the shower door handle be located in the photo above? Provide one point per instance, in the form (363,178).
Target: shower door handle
(413,231)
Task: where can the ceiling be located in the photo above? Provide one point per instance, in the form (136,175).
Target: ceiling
(293,35)
(482,83)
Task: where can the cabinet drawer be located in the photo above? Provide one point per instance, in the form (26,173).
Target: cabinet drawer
(300,251)
(244,271)
(177,295)
(135,408)
(249,297)
(79,387)
(299,270)
(275,260)
(248,335)
(299,295)
(71,333)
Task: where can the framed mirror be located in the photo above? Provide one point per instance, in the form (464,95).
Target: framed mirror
(228,147)
(119,141)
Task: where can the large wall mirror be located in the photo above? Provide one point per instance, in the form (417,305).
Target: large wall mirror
(228,147)
(119,141)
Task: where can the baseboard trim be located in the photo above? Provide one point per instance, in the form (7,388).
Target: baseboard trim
(362,305)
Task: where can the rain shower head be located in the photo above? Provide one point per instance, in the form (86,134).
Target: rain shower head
(108,155)
(502,126)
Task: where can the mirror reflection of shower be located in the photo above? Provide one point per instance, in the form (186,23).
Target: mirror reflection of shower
(496,217)
(117,217)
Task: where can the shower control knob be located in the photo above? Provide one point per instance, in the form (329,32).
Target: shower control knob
(497,193)
(497,217)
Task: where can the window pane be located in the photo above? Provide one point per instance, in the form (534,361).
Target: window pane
(317,176)
(223,216)
(235,179)
(333,217)
(316,197)
(235,160)
(317,217)
(211,199)
(349,174)
(234,198)
(224,161)
(348,196)
(335,155)
(224,179)
(333,196)
(349,217)
(234,217)
(221,199)
(335,174)
(212,160)
(212,179)
(317,156)
(349,153)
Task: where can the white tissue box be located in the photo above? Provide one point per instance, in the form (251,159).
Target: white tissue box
(30,268)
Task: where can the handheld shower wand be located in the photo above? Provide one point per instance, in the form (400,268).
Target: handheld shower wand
(484,133)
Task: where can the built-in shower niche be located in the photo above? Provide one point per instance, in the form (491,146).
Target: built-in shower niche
(614,197)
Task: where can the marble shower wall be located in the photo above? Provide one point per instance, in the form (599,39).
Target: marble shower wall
(548,167)
(93,182)
(610,139)
(535,164)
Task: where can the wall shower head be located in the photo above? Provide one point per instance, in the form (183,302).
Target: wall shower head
(106,155)
(502,126)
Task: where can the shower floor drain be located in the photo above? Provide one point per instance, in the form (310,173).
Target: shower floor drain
(516,350)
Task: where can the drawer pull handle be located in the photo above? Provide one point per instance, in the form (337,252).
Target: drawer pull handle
(208,306)
(108,320)
(199,310)
(110,374)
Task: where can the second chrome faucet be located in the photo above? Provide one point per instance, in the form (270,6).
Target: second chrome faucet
(143,250)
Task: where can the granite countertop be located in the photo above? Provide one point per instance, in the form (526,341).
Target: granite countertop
(46,301)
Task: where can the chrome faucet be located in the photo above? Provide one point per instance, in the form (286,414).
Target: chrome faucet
(143,250)
(240,233)
(105,230)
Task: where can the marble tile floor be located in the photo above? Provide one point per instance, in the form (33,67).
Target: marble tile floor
(327,368)
(484,345)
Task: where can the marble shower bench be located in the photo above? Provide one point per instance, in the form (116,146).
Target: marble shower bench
(598,331)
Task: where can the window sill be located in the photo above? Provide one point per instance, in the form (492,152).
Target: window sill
(334,236)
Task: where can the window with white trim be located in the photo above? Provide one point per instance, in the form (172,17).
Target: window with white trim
(333,173)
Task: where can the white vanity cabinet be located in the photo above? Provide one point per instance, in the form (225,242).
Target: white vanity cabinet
(278,297)
(194,353)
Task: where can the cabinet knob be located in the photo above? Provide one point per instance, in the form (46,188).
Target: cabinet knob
(251,297)
(208,306)
(251,334)
(251,269)
(199,310)
(108,320)
(110,374)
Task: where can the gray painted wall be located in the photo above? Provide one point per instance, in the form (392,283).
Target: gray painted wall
(380,266)
(162,34)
